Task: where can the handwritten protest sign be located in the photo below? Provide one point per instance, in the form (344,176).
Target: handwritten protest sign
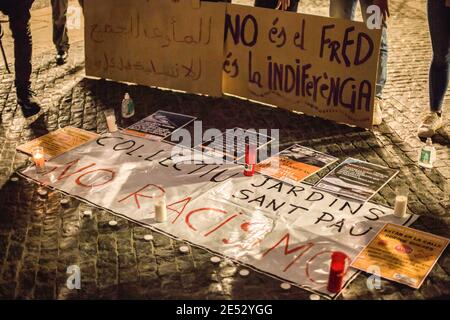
(316,65)
(286,230)
(402,254)
(157,43)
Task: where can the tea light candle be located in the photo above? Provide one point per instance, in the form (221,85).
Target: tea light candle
(161,210)
(285,286)
(184,249)
(112,223)
(215,259)
(244,272)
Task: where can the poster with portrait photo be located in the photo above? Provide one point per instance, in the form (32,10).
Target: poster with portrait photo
(230,145)
(356,179)
(159,125)
(295,164)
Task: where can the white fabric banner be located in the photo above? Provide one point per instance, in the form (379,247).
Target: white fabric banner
(287,231)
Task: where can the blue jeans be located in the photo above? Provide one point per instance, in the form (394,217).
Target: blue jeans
(345,9)
(439,23)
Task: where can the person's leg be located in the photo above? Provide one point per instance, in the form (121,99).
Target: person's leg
(19,22)
(343,9)
(272,4)
(382,62)
(439,25)
(60,37)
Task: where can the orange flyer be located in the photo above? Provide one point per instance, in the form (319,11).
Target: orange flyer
(402,254)
(294,164)
(59,141)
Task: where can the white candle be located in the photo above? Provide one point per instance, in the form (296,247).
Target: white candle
(160,210)
(401,203)
(111,122)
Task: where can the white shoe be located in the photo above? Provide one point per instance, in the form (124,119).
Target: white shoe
(377,112)
(430,125)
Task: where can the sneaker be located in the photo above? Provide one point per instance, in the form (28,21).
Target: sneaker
(30,106)
(378,113)
(430,125)
(61,57)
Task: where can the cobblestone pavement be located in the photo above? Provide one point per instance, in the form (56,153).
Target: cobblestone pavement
(39,238)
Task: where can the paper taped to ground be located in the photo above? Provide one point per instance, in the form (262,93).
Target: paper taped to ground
(286,231)
(295,164)
(356,179)
(59,141)
(402,254)
(159,125)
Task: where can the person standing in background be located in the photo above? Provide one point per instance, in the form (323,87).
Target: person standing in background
(18,12)
(439,24)
(287,5)
(60,36)
(345,9)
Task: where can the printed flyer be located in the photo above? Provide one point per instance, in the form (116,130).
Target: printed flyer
(57,142)
(159,125)
(295,164)
(230,146)
(356,179)
(403,254)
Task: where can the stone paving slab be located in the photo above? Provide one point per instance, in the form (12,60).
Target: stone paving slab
(39,238)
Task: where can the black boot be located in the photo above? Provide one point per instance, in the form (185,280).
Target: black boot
(30,106)
(61,57)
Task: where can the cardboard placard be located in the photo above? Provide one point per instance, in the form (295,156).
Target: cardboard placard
(159,43)
(402,254)
(316,65)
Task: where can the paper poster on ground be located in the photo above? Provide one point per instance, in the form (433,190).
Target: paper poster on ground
(159,125)
(356,179)
(401,254)
(295,164)
(230,145)
(59,141)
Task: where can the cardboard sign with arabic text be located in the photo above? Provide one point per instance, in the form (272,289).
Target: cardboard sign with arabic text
(156,43)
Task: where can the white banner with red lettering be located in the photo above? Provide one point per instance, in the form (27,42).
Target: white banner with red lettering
(287,231)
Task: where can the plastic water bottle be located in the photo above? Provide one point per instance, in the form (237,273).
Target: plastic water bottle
(427,155)
(127,106)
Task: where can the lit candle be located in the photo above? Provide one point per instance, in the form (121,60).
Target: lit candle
(38,158)
(160,209)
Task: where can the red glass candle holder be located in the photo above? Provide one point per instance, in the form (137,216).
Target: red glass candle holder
(338,269)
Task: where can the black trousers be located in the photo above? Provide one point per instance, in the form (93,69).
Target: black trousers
(18,12)
(271,4)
